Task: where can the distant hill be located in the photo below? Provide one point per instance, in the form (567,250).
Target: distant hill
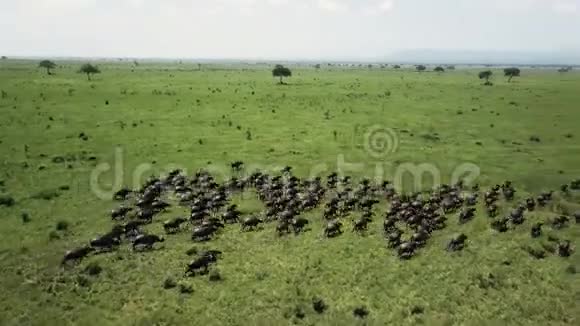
(429,56)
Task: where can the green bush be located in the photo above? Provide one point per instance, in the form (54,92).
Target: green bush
(7,201)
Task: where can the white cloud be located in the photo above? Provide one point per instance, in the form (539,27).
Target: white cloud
(332,6)
(136,3)
(565,6)
(386,5)
(239,28)
(378,8)
(278,2)
(56,5)
(545,6)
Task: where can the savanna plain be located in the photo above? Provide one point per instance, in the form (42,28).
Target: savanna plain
(68,143)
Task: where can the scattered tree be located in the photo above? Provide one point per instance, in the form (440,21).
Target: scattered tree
(89,69)
(450,67)
(420,68)
(511,73)
(439,69)
(317,66)
(565,69)
(4,57)
(47,64)
(396,66)
(281,72)
(485,75)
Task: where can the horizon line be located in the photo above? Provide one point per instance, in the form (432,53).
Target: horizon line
(298,60)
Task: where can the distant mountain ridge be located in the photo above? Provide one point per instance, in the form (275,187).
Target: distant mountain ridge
(429,56)
(411,56)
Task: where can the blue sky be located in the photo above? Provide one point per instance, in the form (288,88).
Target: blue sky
(276,29)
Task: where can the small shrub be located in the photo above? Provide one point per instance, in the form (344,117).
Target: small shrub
(45,194)
(318,305)
(53,235)
(299,312)
(185,288)
(62,225)
(416,310)
(535,139)
(25,217)
(215,276)
(360,312)
(83,281)
(431,137)
(93,269)
(191,251)
(169,283)
(7,201)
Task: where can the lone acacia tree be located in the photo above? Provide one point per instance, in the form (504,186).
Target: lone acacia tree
(89,69)
(281,72)
(439,69)
(47,64)
(485,75)
(421,68)
(511,73)
(396,66)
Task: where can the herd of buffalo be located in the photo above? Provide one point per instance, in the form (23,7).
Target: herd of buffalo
(408,223)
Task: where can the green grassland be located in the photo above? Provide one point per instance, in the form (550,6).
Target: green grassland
(164,115)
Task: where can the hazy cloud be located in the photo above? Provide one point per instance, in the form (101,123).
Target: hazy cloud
(305,28)
(566,6)
(332,5)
